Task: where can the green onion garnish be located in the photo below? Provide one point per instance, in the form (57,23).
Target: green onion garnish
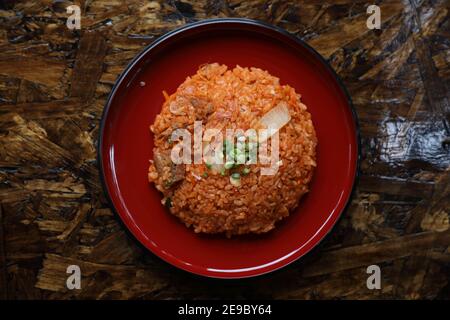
(235,179)
(229,165)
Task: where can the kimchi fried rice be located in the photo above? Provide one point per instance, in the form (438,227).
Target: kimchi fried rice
(233,199)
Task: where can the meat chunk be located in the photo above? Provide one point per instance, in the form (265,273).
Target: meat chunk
(169,171)
(202,108)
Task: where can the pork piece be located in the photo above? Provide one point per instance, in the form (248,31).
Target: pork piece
(170,171)
(203,108)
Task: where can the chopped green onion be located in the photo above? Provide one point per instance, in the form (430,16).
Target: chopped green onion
(235,179)
(208,165)
(205,174)
(168,183)
(222,172)
(245,171)
(236,175)
(229,165)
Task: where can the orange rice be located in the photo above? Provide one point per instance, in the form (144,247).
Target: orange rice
(237,98)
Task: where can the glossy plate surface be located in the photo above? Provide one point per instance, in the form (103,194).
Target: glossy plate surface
(126,145)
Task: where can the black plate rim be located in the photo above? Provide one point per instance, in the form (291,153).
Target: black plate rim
(236,21)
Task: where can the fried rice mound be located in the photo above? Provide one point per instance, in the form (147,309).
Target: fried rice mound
(237,98)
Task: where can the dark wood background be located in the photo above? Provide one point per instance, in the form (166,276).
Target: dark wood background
(53,86)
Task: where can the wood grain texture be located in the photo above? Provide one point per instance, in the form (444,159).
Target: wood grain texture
(54,83)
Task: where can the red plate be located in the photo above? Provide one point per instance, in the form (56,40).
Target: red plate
(126,145)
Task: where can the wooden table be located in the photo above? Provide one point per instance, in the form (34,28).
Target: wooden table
(53,86)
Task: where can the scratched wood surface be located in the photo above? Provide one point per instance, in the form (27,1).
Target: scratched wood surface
(53,86)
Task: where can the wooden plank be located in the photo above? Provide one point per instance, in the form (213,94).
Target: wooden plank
(377,252)
(396,186)
(88,65)
(53,86)
(3,274)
